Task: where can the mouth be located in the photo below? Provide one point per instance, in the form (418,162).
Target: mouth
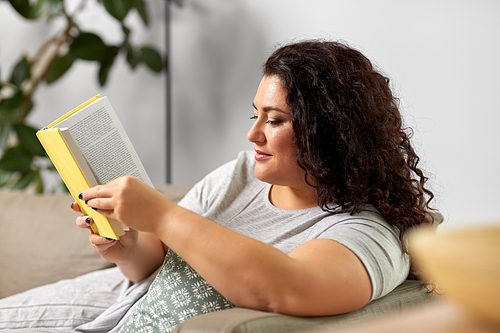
(261,156)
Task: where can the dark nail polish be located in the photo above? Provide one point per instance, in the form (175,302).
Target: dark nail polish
(94,208)
(86,202)
(110,239)
(87,220)
(80,196)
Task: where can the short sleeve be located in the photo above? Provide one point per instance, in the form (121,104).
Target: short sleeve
(376,243)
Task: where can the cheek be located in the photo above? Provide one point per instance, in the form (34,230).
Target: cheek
(282,139)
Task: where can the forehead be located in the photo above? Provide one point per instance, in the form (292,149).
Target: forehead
(271,92)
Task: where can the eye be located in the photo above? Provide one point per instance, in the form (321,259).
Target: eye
(253,117)
(273,122)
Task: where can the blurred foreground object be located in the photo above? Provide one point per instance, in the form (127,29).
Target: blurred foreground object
(464,264)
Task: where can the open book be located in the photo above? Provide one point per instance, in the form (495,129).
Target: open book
(88,146)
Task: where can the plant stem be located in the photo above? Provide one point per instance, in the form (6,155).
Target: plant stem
(53,46)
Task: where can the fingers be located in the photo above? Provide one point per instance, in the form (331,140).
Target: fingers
(99,191)
(98,198)
(100,203)
(115,187)
(97,241)
(76,207)
(100,243)
(84,221)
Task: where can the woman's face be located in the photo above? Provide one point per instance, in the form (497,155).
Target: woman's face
(273,136)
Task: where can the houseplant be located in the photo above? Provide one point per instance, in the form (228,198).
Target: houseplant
(22,159)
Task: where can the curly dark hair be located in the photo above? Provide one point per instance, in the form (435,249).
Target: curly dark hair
(349,132)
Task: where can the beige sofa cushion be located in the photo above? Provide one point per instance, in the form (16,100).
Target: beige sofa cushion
(40,243)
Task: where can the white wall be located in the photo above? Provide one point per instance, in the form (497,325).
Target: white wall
(442,57)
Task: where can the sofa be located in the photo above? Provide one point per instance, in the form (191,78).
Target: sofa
(40,244)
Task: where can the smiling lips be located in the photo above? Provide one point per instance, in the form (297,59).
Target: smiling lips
(261,156)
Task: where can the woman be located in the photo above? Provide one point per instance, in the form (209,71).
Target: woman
(310,224)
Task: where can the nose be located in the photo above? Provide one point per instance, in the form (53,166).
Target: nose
(256,134)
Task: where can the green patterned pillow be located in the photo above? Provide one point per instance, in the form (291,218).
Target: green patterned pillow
(177,293)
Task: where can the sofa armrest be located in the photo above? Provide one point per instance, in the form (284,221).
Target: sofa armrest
(238,320)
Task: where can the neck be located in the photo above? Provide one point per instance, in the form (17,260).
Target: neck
(289,198)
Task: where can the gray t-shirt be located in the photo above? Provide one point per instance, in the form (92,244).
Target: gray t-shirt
(233,197)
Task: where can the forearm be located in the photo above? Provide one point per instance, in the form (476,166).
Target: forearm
(246,271)
(146,257)
(321,273)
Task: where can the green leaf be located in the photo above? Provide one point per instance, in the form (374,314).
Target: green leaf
(152,59)
(107,63)
(12,105)
(5,178)
(59,68)
(118,8)
(126,31)
(23,7)
(88,46)
(47,8)
(28,140)
(141,9)
(15,107)
(133,56)
(16,159)
(21,72)
(5,130)
(39,188)
(29,107)
(25,180)
(103,73)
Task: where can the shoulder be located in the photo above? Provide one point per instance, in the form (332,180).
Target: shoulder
(376,243)
(235,174)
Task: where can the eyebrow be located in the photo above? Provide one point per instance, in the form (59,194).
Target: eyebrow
(269,108)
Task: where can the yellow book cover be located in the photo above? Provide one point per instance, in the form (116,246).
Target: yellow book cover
(71,173)
(89,146)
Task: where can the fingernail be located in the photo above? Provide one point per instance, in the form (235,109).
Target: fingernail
(94,208)
(86,202)
(87,220)
(80,196)
(110,239)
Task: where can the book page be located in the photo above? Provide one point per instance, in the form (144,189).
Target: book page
(77,154)
(104,142)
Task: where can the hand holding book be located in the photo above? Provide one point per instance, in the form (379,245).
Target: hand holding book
(131,202)
(89,146)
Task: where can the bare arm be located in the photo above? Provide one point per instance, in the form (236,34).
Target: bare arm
(321,273)
(145,257)
(137,254)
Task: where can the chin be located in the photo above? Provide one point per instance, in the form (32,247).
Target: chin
(260,177)
(263,176)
